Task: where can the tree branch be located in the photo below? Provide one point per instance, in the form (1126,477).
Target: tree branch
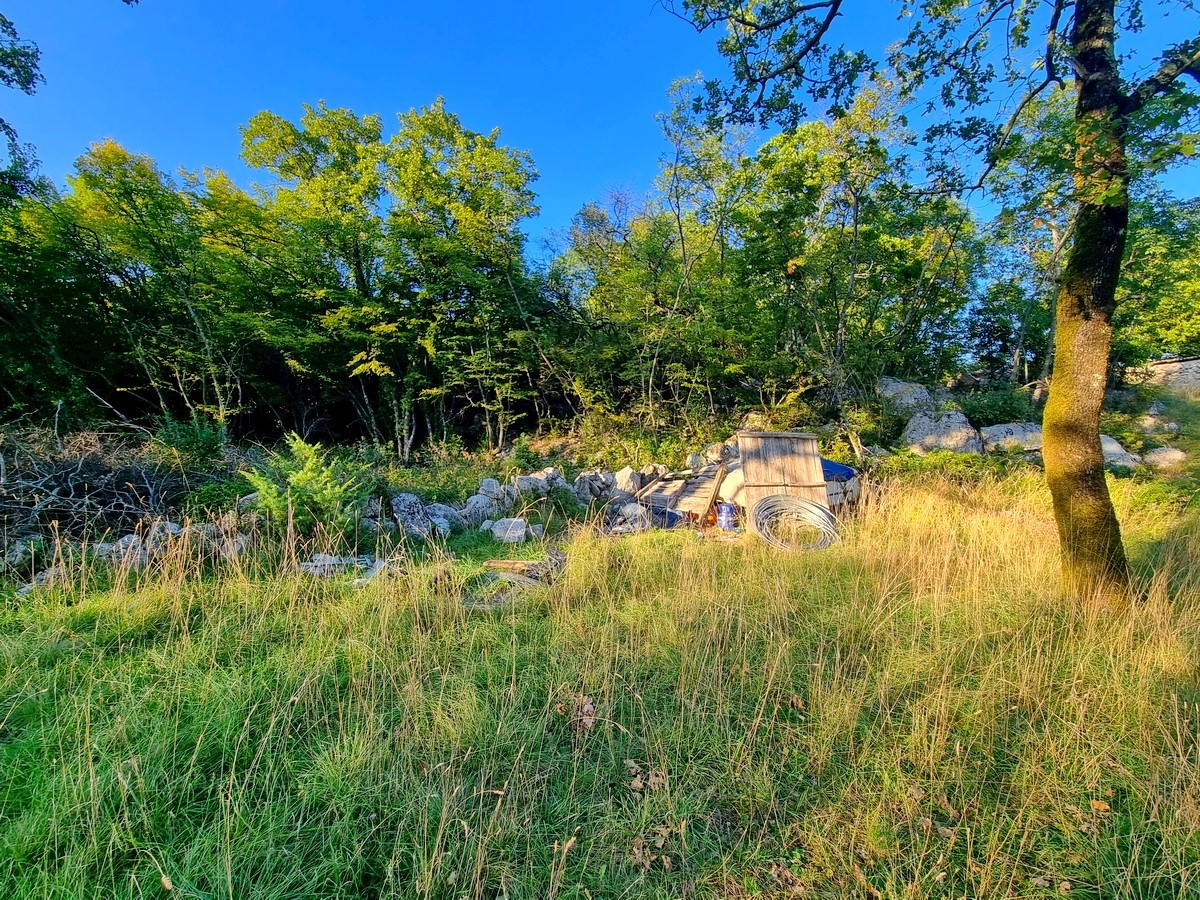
(1183,59)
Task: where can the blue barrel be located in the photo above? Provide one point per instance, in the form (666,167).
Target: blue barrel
(726,515)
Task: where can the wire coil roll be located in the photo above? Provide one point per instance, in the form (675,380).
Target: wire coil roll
(768,512)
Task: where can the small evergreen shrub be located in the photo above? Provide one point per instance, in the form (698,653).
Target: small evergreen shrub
(525,458)
(196,441)
(216,496)
(998,407)
(307,487)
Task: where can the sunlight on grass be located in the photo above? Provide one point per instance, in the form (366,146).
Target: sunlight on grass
(912,713)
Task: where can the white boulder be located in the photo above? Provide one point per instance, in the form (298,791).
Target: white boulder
(1164,458)
(1012,436)
(510,531)
(409,513)
(490,487)
(531,485)
(478,507)
(927,431)
(1115,454)
(446,519)
(628,480)
(908,396)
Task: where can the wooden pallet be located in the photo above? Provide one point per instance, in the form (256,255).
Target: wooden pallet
(692,492)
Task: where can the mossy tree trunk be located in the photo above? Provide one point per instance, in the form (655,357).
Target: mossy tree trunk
(1094,562)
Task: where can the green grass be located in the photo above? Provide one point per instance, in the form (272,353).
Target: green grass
(914,713)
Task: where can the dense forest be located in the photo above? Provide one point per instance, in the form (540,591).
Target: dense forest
(377,285)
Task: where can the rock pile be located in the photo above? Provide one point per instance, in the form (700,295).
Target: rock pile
(225,540)
(929,429)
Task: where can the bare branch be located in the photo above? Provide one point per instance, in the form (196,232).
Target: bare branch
(1051,42)
(1183,59)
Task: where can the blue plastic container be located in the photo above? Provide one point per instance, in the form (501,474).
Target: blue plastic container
(726,515)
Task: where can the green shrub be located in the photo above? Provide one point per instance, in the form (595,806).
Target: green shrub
(197,441)
(997,407)
(307,487)
(966,467)
(525,458)
(875,420)
(216,496)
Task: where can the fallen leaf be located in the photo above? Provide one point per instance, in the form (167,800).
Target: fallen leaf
(1101,806)
(585,712)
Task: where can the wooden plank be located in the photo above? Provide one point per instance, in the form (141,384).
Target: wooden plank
(694,496)
(783,462)
(666,493)
(647,486)
(712,496)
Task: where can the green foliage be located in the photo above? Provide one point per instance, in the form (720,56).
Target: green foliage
(195,442)
(524,458)
(1159,313)
(960,467)
(997,407)
(442,479)
(303,486)
(216,496)
(709,696)
(875,420)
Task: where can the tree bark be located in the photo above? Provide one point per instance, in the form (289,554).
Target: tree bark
(1093,557)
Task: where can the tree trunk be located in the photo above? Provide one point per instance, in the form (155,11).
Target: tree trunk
(1093,557)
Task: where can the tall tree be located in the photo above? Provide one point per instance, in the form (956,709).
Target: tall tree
(781,56)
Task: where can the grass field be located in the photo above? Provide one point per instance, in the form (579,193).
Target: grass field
(913,713)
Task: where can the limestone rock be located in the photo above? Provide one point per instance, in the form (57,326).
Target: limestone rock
(477,508)
(20,555)
(374,518)
(1181,374)
(537,532)
(491,488)
(1153,423)
(907,396)
(589,487)
(1164,458)
(720,452)
(325,565)
(951,431)
(554,479)
(42,579)
(510,531)
(446,519)
(1012,436)
(1115,454)
(629,481)
(409,513)
(531,485)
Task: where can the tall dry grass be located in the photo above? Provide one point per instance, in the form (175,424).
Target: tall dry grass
(913,713)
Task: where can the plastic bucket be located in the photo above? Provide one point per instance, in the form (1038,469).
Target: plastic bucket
(726,515)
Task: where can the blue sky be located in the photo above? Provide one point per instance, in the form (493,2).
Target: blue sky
(575,84)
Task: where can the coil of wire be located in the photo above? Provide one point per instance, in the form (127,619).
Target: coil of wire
(769,512)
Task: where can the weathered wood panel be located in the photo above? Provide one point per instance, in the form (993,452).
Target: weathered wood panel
(781,462)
